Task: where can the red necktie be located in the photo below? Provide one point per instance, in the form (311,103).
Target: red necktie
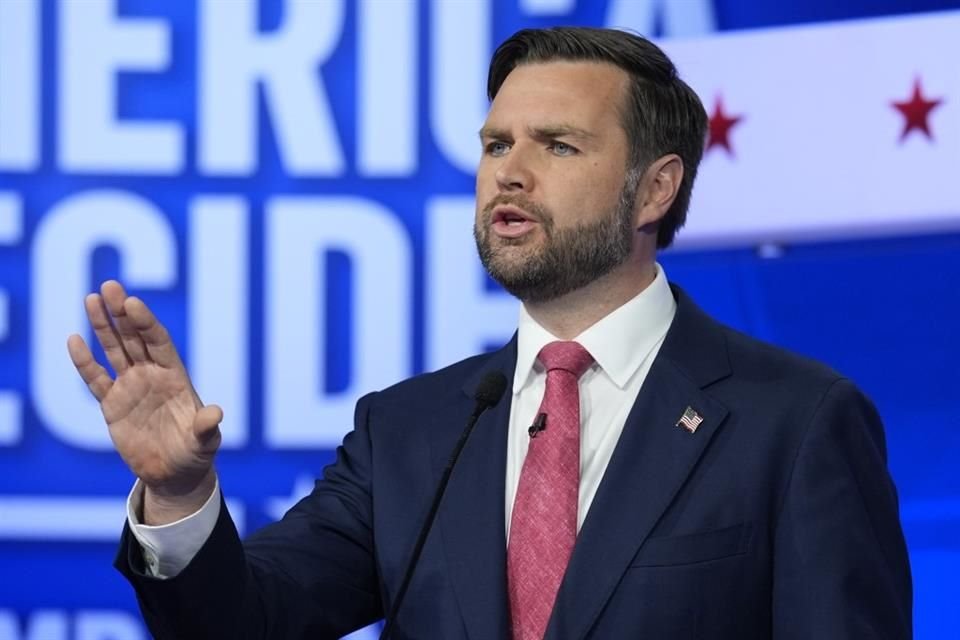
(543,527)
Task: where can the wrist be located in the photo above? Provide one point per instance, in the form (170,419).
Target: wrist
(165,505)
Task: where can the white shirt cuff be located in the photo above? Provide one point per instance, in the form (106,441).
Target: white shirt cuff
(169,548)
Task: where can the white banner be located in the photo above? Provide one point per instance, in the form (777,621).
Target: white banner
(829,131)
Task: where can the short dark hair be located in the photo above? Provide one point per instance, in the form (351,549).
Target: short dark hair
(662,114)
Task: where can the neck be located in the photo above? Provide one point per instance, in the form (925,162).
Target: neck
(570,315)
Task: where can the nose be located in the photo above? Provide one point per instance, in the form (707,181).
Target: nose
(514,171)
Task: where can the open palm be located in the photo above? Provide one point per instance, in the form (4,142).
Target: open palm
(156,420)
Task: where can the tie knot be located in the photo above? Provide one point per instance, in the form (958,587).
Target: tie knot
(568,356)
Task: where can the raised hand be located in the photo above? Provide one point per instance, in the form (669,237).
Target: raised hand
(162,431)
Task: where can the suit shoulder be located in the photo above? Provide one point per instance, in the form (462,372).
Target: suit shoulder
(712,351)
(779,391)
(752,356)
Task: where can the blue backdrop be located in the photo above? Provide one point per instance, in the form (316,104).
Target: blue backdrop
(291,235)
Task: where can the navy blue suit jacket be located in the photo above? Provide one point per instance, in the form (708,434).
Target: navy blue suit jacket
(777,518)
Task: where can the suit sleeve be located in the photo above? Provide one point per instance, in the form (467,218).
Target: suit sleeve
(840,568)
(313,574)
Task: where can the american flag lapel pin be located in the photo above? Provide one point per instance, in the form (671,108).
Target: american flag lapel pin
(690,420)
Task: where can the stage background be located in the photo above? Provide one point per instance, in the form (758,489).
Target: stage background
(289,185)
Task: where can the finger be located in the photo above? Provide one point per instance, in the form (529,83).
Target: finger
(114,296)
(106,333)
(154,335)
(96,377)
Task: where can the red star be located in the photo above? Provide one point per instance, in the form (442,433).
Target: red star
(720,126)
(916,111)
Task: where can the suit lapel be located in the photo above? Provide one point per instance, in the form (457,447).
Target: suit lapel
(651,462)
(472,514)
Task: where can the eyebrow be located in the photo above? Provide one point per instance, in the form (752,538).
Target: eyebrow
(560,131)
(540,133)
(493,132)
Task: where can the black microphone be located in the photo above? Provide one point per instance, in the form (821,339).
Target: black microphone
(539,424)
(487,395)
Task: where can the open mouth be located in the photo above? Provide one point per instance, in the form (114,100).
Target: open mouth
(510,216)
(509,221)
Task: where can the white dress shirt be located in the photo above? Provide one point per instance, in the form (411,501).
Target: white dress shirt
(623,345)
(169,548)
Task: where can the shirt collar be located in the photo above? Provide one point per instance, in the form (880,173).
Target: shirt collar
(641,322)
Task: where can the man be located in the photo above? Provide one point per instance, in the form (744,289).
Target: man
(677,479)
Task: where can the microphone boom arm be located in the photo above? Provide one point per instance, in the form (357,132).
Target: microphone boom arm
(488,394)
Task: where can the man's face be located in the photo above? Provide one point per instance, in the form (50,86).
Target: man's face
(554,204)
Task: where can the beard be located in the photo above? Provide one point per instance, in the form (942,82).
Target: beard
(569,259)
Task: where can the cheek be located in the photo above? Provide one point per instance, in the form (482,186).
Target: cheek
(484,173)
(485,187)
(581,201)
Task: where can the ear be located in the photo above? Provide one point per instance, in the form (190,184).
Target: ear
(658,189)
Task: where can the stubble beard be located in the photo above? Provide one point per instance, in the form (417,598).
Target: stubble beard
(568,259)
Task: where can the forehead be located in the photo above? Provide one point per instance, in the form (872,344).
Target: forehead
(588,94)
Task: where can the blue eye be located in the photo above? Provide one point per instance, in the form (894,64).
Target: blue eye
(497,148)
(563,149)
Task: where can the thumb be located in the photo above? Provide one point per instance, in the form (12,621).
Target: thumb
(205,425)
